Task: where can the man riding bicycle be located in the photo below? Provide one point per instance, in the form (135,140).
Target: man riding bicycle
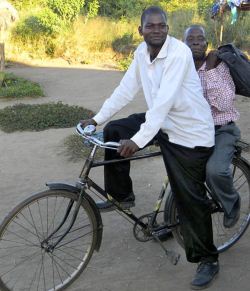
(180,119)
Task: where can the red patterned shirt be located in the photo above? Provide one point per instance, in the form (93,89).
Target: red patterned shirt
(219,91)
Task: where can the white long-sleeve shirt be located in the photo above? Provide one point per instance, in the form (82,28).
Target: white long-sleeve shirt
(173,94)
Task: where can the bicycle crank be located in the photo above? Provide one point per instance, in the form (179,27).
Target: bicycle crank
(172,255)
(142,230)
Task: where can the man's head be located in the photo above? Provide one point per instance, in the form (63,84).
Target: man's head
(195,38)
(154,28)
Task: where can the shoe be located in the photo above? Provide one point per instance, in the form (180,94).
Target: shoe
(205,274)
(231,219)
(110,204)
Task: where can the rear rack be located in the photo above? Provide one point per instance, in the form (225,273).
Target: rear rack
(243,146)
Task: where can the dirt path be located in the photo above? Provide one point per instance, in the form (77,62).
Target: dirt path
(29,159)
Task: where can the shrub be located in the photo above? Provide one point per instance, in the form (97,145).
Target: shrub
(24,4)
(67,9)
(92,8)
(45,22)
(39,117)
(124,44)
(120,8)
(124,63)
(13,87)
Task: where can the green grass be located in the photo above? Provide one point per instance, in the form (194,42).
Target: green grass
(75,149)
(16,87)
(39,117)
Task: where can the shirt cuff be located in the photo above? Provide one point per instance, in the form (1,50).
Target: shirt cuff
(99,118)
(139,140)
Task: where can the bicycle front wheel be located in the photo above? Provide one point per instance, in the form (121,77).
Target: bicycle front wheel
(224,238)
(28,259)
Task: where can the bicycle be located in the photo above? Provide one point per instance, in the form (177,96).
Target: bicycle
(48,239)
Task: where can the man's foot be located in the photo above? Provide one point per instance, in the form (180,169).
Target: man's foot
(205,274)
(107,206)
(231,219)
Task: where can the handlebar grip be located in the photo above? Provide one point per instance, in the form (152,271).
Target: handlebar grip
(112,144)
(79,128)
(87,130)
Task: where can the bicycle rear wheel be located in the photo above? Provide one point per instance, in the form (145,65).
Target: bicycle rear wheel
(27,262)
(224,238)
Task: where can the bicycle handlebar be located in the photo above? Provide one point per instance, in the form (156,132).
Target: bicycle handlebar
(87,133)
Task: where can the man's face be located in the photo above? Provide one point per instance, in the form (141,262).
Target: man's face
(196,40)
(154,30)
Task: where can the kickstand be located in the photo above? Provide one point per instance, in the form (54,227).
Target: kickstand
(172,255)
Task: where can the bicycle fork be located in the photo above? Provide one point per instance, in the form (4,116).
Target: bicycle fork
(45,243)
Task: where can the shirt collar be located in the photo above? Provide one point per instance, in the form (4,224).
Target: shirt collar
(203,67)
(162,53)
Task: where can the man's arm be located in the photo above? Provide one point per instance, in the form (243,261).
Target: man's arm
(220,87)
(122,95)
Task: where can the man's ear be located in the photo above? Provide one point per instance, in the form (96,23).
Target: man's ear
(167,28)
(140,30)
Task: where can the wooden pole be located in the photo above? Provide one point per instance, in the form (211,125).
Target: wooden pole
(221,29)
(2,57)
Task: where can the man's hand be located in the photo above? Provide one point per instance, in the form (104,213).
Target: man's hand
(212,60)
(86,122)
(127,148)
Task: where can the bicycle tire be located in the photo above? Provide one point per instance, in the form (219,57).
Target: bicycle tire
(25,263)
(224,238)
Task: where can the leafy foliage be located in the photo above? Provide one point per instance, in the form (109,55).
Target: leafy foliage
(124,44)
(38,117)
(121,8)
(67,9)
(204,7)
(22,4)
(125,62)
(15,87)
(92,8)
(45,22)
(174,5)
(42,34)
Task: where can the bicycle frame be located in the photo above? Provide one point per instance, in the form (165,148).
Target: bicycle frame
(86,181)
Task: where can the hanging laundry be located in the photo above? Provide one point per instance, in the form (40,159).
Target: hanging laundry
(233,5)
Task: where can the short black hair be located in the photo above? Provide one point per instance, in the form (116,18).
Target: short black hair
(152,10)
(195,26)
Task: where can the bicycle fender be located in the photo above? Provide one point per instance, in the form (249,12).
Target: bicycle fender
(74,189)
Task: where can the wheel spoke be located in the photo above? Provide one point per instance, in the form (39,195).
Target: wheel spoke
(30,262)
(223,237)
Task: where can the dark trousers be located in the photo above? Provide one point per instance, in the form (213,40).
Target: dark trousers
(219,175)
(186,171)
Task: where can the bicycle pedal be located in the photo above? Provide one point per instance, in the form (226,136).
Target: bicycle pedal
(164,234)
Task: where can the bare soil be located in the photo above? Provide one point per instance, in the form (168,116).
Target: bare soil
(29,159)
